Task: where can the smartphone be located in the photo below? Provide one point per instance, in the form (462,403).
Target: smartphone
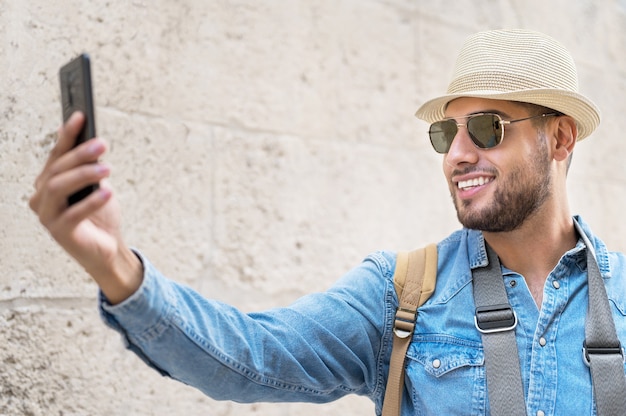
(77,95)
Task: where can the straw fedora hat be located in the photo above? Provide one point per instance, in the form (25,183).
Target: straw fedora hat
(517,65)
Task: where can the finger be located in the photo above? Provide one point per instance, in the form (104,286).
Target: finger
(52,199)
(67,135)
(62,228)
(87,153)
(86,207)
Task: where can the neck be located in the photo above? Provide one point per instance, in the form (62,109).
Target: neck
(534,249)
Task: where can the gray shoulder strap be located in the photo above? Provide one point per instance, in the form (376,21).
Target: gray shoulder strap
(496,320)
(602,350)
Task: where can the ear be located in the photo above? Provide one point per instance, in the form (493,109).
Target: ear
(565,132)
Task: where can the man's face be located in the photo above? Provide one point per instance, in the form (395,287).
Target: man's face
(497,189)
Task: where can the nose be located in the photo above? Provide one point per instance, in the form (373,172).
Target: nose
(462,150)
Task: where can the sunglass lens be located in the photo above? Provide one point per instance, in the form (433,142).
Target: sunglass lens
(441,135)
(485,130)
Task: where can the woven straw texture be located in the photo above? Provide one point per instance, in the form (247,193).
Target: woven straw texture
(517,65)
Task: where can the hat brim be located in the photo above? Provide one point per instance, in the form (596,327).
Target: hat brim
(581,109)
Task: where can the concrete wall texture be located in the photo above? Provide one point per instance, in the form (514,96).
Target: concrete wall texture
(260,149)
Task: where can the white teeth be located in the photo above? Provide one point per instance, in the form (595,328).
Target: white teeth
(473,182)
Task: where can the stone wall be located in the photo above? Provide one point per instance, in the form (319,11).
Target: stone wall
(260,149)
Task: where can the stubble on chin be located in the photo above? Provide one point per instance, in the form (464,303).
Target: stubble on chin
(509,208)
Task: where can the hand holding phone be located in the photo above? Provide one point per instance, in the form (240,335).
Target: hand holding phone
(90,231)
(77,95)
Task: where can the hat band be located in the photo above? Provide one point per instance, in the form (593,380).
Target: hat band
(501,82)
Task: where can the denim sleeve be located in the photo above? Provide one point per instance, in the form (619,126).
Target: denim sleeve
(320,348)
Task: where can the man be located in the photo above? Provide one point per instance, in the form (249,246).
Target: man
(506,129)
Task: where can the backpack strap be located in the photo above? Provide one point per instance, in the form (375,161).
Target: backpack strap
(602,350)
(496,320)
(414,279)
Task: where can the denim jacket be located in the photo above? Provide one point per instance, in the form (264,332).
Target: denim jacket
(327,345)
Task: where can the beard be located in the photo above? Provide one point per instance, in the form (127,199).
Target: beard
(518,196)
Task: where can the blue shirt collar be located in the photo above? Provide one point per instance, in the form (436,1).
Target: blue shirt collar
(478,253)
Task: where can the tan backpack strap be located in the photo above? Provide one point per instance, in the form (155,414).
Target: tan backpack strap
(414,278)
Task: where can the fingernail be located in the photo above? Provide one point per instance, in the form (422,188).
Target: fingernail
(95,147)
(102,169)
(104,193)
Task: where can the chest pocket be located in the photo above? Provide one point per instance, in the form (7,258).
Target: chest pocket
(446,375)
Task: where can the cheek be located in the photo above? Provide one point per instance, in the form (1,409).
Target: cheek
(446,168)
(447,171)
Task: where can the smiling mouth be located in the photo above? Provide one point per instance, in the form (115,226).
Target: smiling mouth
(472,183)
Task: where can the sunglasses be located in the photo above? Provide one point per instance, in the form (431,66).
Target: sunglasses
(485,129)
